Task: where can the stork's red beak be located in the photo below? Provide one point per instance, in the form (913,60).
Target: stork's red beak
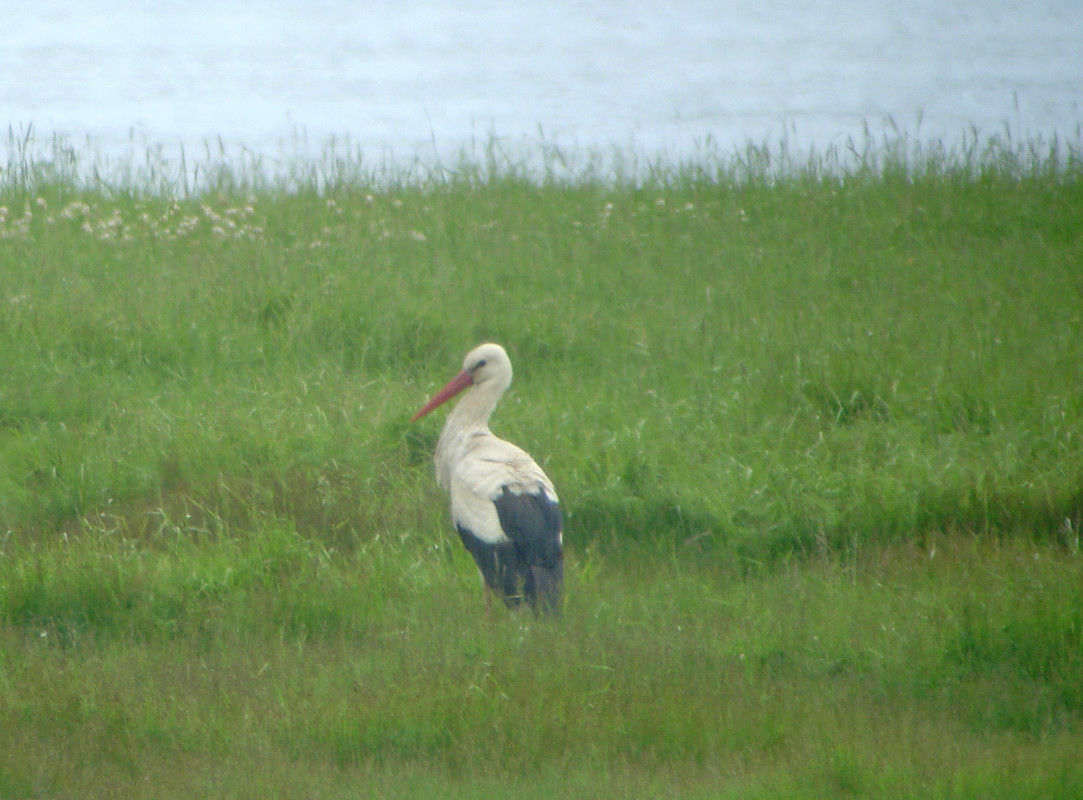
(455,385)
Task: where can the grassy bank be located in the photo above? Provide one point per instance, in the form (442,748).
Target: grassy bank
(818,433)
(275,669)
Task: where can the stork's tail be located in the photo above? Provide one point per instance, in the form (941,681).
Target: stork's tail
(546,592)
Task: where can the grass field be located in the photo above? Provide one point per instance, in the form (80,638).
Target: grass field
(817,430)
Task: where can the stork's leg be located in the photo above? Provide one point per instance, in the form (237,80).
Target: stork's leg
(488,603)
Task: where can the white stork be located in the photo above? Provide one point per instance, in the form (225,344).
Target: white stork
(503,504)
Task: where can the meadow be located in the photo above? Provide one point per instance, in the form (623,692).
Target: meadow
(816,423)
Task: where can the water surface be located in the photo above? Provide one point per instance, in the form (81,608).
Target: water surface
(431,78)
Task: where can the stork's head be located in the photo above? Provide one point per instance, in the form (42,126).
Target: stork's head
(486,366)
(488,362)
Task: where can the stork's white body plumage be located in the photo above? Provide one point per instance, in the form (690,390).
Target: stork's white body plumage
(502,503)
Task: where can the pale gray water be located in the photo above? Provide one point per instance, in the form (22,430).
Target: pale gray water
(425,78)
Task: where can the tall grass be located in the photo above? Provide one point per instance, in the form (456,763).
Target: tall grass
(816,425)
(781,342)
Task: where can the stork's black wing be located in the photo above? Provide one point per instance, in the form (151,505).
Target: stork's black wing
(533,522)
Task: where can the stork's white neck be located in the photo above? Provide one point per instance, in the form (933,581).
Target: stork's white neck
(469,418)
(476,407)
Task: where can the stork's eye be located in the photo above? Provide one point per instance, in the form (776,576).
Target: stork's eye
(480,364)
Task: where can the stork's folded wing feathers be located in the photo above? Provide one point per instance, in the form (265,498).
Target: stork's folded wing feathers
(497,469)
(533,522)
